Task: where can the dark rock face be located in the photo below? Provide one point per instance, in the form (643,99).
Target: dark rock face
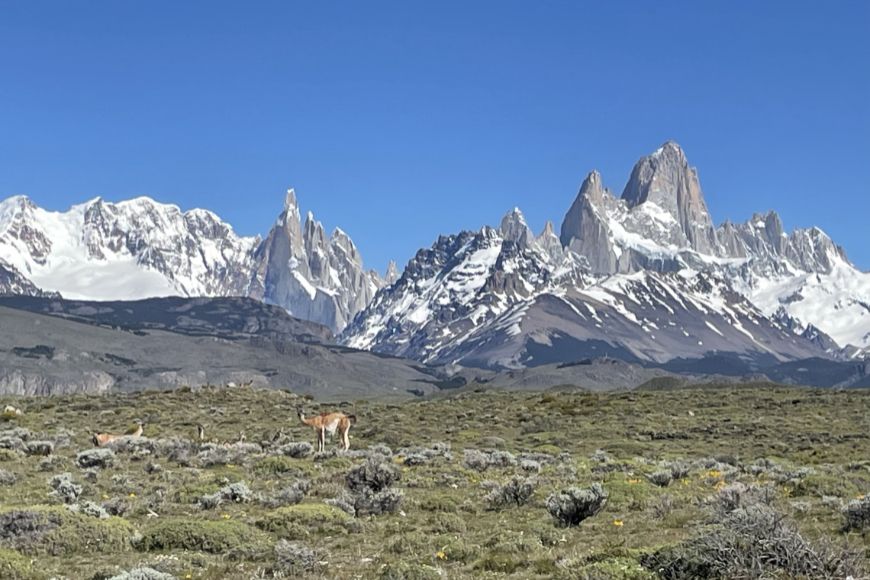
(665,178)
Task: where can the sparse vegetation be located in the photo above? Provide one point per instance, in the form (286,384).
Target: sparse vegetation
(468,484)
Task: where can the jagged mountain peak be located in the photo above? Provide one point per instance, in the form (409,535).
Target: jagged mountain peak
(392,273)
(670,148)
(514,228)
(666,180)
(290,203)
(140,248)
(644,276)
(593,187)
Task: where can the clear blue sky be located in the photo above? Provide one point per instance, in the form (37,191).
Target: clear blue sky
(400,121)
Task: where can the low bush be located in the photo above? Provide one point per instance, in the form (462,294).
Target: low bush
(678,469)
(483,460)
(737,495)
(297,449)
(753,542)
(64,488)
(515,492)
(857,514)
(571,506)
(137,446)
(374,475)
(101,457)
(298,522)
(375,503)
(14,566)
(290,495)
(238,492)
(660,478)
(143,573)
(234,453)
(409,571)
(233,538)
(7,477)
(89,508)
(57,531)
(294,557)
(43,448)
(345,502)
(278,465)
(530,465)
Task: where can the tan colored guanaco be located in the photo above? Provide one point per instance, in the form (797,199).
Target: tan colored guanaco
(329,423)
(103,439)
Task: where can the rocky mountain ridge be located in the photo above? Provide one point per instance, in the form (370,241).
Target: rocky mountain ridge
(141,248)
(643,277)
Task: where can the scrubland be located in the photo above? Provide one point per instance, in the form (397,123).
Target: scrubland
(732,482)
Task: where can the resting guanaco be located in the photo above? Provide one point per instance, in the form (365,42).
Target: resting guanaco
(102,439)
(329,423)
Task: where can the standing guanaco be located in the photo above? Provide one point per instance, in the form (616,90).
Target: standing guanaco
(329,423)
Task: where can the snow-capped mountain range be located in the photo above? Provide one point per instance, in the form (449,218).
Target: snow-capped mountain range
(645,276)
(140,249)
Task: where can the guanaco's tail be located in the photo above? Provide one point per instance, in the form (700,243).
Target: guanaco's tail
(352,419)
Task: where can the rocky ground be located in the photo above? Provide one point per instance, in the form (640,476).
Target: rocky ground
(736,481)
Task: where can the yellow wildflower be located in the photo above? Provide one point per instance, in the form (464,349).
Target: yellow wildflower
(618,523)
(132,494)
(441,555)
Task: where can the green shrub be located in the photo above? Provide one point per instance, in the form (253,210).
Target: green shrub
(299,521)
(14,566)
(500,562)
(409,571)
(230,537)
(618,568)
(278,464)
(439,502)
(58,531)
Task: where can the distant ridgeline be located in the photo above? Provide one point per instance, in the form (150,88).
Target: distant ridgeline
(645,277)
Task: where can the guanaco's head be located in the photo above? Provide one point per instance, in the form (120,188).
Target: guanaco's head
(301,413)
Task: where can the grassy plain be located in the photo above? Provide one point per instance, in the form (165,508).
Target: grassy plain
(669,461)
